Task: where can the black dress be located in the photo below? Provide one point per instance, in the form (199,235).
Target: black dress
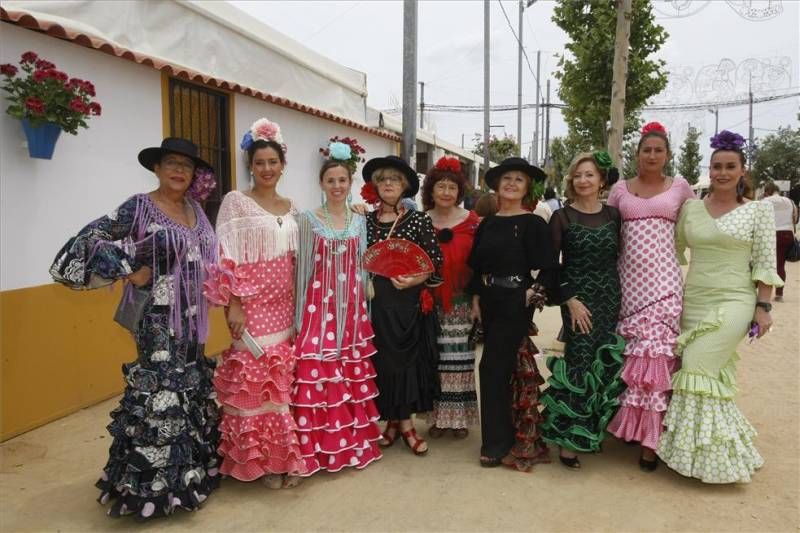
(505,246)
(405,337)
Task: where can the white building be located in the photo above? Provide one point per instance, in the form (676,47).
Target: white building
(201,70)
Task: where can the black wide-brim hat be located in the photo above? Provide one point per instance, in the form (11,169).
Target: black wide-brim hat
(392,161)
(171,145)
(513,163)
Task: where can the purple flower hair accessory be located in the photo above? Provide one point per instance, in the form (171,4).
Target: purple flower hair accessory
(203,183)
(727,140)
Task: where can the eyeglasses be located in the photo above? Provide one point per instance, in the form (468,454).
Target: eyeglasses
(178,165)
(390,179)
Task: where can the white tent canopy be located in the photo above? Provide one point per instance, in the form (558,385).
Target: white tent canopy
(216,40)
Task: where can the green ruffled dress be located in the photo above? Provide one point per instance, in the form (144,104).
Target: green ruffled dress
(582,395)
(706,436)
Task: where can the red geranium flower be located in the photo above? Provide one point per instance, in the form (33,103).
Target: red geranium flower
(76,104)
(8,69)
(369,193)
(43,64)
(88,88)
(40,75)
(29,57)
(95,108)
(36,105)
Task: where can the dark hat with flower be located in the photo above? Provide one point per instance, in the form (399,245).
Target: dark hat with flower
(171,145)
(513,163)
(392,161)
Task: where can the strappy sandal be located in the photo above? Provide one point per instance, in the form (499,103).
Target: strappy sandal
(273,481)
(390,434)
(418,441)
(290,481)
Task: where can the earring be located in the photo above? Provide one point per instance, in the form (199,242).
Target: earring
(349,199)
(323,199)
(740,187)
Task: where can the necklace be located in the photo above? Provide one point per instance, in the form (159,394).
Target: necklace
(336,233)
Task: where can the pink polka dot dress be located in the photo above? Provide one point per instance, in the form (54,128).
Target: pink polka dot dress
(649,320)
(257,249)
(334,391)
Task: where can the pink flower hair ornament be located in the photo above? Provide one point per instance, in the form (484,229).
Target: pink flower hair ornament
(263,130)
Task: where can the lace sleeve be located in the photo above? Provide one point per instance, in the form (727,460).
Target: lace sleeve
(101,253)
(763,259)
(558,288)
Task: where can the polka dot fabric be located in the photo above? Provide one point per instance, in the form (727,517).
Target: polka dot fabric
(706,436)
(651,283)
(334,391)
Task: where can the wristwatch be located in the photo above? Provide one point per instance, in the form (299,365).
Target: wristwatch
(766,306)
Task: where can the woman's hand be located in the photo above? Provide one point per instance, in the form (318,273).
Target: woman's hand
(141,277)
(764,320)
(579,315)
(360,209)
(236,318)
(475,311)
(405,282)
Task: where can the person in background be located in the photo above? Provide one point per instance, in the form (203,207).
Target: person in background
(552,201)
(785,219)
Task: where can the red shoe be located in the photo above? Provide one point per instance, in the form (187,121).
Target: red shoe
(418,441)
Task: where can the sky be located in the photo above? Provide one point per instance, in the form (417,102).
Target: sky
(713,47)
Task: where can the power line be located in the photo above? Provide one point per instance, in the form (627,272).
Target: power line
(448,108)
(524,53)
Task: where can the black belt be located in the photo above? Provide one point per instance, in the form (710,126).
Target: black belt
(506,282)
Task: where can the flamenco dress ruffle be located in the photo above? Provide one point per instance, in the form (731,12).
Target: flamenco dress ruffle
(258,432)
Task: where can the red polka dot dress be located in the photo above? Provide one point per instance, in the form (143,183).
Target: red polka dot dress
(652,287)
(334,390)
(257,249)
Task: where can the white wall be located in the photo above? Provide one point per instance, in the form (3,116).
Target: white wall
(304,135)
(43,203)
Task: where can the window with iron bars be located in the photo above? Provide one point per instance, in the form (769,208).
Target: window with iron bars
(201,116)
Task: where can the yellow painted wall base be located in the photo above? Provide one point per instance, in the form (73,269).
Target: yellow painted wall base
(60,351)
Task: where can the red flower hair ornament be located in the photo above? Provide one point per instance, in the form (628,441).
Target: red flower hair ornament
(448,164)
(654,126)
(370,194)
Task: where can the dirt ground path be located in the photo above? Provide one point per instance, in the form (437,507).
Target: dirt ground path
(47,476)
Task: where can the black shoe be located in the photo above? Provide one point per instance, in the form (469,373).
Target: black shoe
(570,462)
(648,466)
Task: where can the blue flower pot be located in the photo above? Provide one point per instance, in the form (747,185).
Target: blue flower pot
(41,139)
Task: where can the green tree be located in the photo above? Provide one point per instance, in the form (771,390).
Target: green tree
(499,148)
(778,157)
(586,72)
(630,167)
(562,151)
(690,158)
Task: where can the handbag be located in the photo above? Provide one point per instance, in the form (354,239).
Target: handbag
(131,307)
(793,253)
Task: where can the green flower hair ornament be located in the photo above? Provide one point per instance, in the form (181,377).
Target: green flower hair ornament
(603,159)
(536,191)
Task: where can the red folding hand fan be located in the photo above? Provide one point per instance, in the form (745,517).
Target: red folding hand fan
(397,257)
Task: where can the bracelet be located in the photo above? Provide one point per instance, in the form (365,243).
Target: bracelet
(766,306)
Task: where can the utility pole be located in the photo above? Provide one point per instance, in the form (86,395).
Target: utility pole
(519,82)
(409,82)
(536,114)
(751,139)
(547,127)
(486,79)
(621,45)
(715,112)
(421,104)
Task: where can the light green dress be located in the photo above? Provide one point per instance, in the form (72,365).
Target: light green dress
(705,435)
